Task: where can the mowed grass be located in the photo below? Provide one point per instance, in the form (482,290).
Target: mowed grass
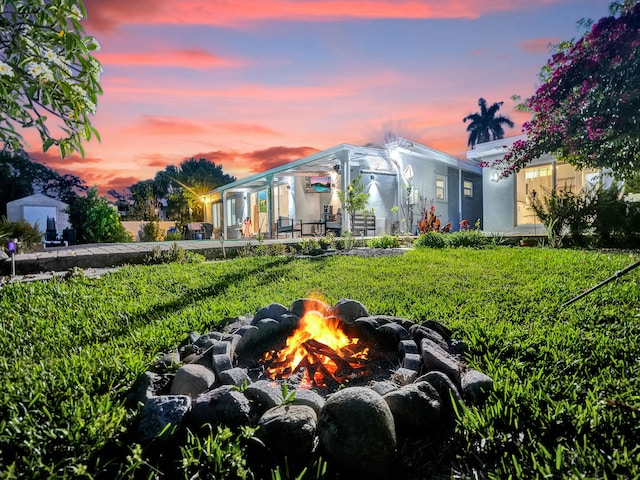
(566,396)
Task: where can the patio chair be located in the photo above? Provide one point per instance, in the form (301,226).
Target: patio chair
(288,225)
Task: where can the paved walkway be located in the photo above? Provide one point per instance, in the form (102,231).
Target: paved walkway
(110,255)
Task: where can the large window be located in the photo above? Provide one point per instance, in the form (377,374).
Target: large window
(543,179)
(441,187)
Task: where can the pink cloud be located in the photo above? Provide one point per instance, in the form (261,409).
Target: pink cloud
(174,126)
(538,45)
(193,58)
(105,16)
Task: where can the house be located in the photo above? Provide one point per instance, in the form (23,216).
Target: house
(403,179)
(506,201)
(48,214)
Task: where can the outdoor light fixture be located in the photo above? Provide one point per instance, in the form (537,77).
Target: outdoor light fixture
(372,177)
(11,246)
(495,177)
(336,167)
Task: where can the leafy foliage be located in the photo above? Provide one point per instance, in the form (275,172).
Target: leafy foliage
(355,198)
(384,241)
(174,254)
(28,235)
(485,126)
(599,215)
(95,221)
(179,187)
(71,348)
(466,238)
(46,69)
(587,110)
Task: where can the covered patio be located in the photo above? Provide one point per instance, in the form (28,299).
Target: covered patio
(301,198)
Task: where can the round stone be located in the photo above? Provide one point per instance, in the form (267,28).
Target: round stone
(357,432)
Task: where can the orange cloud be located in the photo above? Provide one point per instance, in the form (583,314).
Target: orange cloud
(108,15)
(538,45)
(193,58)
(261,160)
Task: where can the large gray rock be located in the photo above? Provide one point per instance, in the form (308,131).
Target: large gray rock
(348,310)
(309,398)
(448,391)
(162,417)
(415,409)
(437,358)
(192,380)
(223,406)
(302,305)
(289,431)
(476,385)
(357,432)
(403,376)
(263,394)
(234,376)
(273,310)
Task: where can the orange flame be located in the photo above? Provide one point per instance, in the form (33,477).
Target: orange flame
(320,345)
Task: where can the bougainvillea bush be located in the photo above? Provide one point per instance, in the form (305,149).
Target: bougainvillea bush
(587,110)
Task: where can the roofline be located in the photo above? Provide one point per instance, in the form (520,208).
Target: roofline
(284,167)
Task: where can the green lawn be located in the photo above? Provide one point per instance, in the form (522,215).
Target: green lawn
(566,395)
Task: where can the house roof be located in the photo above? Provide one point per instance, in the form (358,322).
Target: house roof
(369,158)
(38,200)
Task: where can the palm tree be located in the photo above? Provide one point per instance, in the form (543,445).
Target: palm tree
(485,126)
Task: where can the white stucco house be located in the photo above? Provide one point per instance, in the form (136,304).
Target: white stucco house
(40,210)
(506,200)
(306,191)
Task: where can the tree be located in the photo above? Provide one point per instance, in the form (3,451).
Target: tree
(46,70)
(95,221)
(485,126)
(20,176)
(587,110)
(355,198)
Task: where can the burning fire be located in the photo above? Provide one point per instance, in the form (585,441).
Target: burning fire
(320,350)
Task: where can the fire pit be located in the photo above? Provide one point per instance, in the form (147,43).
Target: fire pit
(315,379)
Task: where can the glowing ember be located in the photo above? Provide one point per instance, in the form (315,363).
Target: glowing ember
(320,350)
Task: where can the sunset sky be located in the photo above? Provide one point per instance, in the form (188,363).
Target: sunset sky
(252,84)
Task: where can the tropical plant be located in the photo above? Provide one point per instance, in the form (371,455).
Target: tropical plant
(587,109)
(95,221)
(46,70)
(485,125)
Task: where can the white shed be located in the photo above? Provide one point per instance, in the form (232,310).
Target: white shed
(39,208)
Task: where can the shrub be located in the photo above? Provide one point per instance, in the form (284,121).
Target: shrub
(95,220)
(174,253)
(469,238)
(430,240)
(151,232)
(28,235)
(173,236)
(384,241)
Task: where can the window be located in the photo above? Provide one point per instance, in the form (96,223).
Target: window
(441,187)
(467,188)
